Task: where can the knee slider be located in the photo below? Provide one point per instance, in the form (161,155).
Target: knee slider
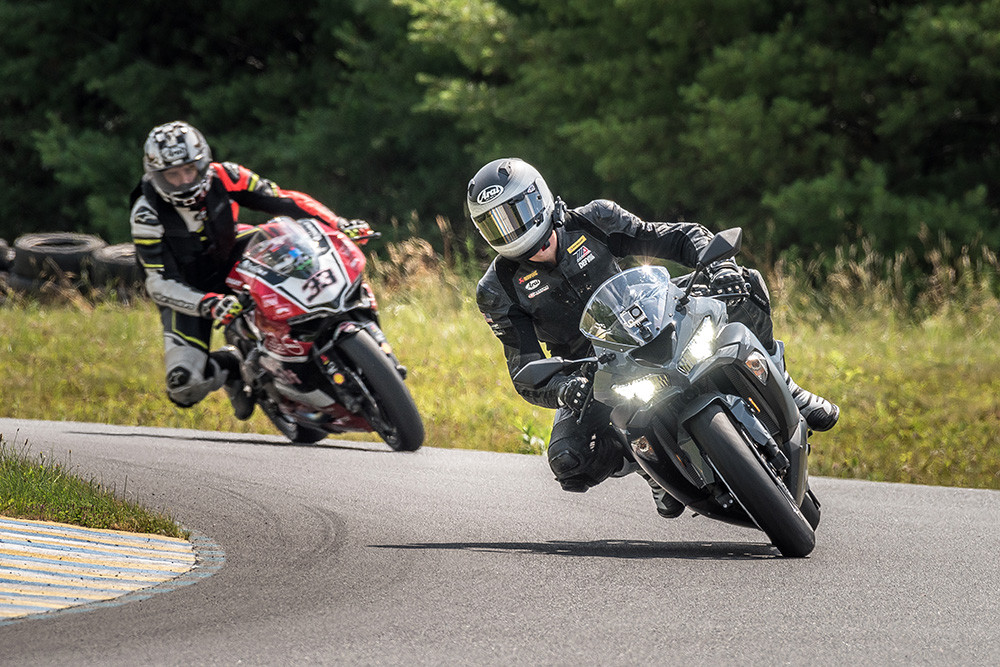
(186,387)
(579,468)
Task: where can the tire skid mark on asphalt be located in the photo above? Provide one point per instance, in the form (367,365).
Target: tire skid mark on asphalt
(47,566)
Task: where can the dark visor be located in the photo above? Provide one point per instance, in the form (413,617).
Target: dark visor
(508,222)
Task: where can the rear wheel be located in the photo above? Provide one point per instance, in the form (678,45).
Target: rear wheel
(390,409)
(291,429)
(761,494)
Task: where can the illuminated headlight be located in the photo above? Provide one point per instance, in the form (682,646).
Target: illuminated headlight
(642,447)
(700,347)
(758,366)
(642,389)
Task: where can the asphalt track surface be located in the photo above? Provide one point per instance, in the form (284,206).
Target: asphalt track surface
(347,553)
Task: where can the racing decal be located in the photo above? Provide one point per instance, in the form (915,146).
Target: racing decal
(497,329)
(576,244)
(584,257)
(533,274)
(489,193)
(315,285)
(544,288)
(533,285)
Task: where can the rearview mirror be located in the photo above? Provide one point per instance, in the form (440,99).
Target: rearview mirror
(538,373)
(724,246)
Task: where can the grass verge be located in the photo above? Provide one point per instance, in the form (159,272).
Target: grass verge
(917,381)
(45,490)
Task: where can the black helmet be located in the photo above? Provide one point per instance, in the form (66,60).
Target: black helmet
(512,207)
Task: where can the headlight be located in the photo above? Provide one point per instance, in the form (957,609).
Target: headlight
(758,366)
(700,347)
(642,389)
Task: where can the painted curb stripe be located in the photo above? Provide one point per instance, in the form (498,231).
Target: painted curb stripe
(20,537)
(46,567)
(112,536)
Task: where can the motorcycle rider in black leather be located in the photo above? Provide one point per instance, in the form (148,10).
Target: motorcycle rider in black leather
(550,260)
(184,226)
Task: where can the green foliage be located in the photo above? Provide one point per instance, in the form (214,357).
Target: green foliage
(43,489)
(810,125)
(807,124)
(318,96)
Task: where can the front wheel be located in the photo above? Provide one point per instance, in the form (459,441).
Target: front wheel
(763,496)
(393,415)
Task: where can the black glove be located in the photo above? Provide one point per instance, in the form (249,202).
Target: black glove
(728,283)
(222,308)
(573,393)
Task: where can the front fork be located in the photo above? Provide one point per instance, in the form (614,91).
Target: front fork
(789,466)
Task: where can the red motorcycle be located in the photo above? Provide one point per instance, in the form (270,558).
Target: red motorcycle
(313,354)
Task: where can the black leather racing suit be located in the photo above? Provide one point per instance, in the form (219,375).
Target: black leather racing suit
(527,304)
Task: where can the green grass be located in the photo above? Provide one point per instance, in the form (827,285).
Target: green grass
(917,382)
(46,490)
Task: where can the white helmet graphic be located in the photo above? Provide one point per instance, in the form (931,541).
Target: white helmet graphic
(511,206)
(173,145)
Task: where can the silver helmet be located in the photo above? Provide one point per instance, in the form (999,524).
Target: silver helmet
(173,145)
(512,207)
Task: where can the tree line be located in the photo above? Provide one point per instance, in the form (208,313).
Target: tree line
(810,124)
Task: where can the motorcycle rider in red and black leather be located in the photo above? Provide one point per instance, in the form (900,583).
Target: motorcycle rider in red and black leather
(550,260)
(184,226)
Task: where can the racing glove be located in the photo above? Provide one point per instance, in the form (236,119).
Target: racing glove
(728,283)
(573,393)
(223,308)
(354,229)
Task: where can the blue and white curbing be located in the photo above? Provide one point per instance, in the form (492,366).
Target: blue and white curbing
(46,567)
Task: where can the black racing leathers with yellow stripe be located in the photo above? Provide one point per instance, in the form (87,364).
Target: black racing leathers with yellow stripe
(527,303)
(188,252)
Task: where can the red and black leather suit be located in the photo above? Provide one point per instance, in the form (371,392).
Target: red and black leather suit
(187,253)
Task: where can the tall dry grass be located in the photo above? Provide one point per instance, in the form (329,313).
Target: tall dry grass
(904,344)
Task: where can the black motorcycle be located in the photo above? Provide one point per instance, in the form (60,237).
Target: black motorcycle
(702,405)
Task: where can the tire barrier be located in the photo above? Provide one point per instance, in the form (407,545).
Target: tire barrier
(115,266)
(6,255)
(61,262)
(53,255)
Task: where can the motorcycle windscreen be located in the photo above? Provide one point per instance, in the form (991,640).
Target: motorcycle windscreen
(630,309)
(287,250)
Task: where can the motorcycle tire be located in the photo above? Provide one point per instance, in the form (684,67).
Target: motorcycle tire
(291,429)
(810,509)
(765,498)
(53,255)
(6,255)
(405,429)
(116,266)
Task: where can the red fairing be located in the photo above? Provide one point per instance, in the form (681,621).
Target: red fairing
(350,254)
(277,339)
(273,306)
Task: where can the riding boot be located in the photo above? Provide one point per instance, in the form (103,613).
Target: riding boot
(666,505)
(819,413)
(239,396)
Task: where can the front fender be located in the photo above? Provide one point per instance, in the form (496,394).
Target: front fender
(796,476)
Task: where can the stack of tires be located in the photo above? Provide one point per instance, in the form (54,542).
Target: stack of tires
(52,263)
